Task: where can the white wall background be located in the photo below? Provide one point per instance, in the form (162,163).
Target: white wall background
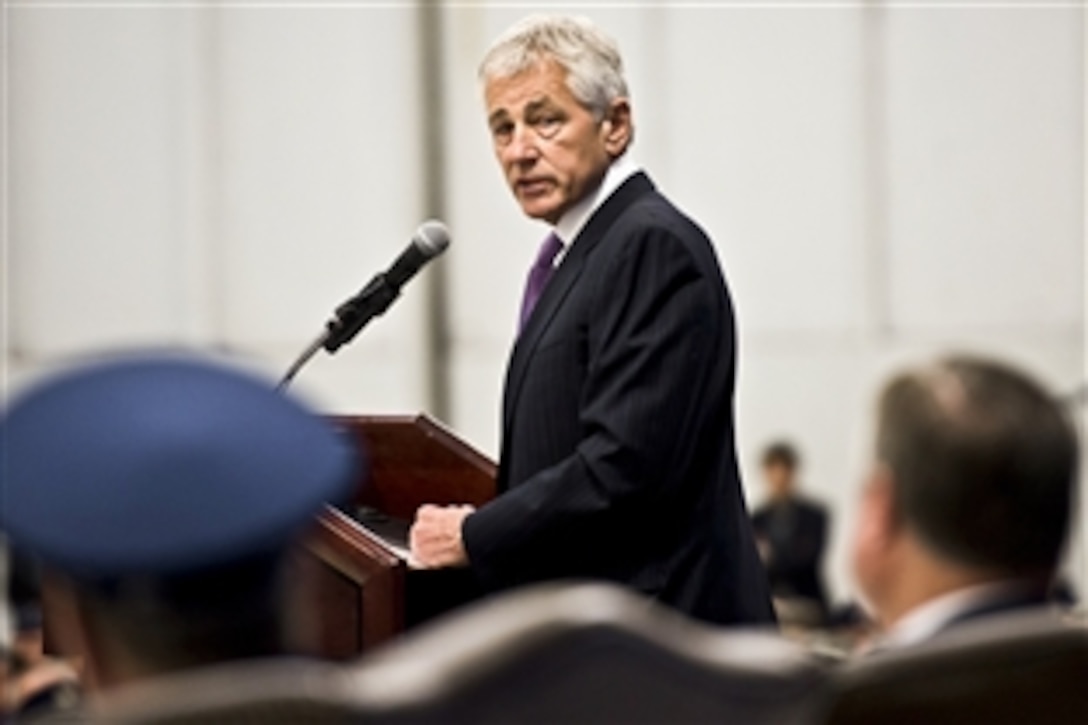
(884,182)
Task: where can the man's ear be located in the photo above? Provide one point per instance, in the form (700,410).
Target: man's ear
(70,630)
(617,128)
(882,506)
(877,539)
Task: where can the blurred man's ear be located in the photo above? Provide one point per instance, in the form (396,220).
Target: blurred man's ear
(882,506)
(69,633)
(876,533)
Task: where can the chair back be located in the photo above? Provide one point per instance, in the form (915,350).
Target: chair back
(1011,668)
(277,691)
(587,653)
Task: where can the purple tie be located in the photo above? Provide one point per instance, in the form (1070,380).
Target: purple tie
(539,275)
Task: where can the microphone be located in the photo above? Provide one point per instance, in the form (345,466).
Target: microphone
(430,240)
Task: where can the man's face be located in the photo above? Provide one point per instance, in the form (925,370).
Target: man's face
(779,477)
(552,150)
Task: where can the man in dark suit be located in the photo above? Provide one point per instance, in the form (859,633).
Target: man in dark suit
(791,533)
(618,459)
(968,506)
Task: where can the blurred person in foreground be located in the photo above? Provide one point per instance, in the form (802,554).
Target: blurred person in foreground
(161,494)
(792,535)
(968,506)
(618,458)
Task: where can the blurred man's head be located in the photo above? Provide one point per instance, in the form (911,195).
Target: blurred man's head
(162,493)
(558,111)
(780,463)
(973,483)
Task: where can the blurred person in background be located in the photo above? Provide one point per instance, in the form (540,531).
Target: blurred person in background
(32,683)
(968,505)
(791,532)
(618,459)
(161,494)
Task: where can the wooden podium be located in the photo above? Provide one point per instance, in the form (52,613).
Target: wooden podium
(353,570)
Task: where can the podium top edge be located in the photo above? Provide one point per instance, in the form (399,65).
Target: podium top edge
(432,428)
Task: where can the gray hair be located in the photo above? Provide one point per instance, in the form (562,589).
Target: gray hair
(590,58)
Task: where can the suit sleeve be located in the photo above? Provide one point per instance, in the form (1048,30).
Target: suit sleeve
(653,341)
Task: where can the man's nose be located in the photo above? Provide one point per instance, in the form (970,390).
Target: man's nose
(523,146)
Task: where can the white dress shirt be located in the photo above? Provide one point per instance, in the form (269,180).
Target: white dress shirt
(928,618)
(575,218)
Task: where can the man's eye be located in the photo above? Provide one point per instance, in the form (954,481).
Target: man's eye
(502,132)
(548,125)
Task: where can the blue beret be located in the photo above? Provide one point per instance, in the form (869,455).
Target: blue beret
(159,463)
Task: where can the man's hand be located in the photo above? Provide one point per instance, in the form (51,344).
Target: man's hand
(436,536)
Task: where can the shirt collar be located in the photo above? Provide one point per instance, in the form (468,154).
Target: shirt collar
(930,617)
(574,219)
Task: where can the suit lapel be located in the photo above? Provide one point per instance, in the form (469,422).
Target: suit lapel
(560,286)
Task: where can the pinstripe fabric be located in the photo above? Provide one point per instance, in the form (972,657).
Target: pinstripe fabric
(618,459)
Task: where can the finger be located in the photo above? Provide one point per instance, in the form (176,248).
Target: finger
(420,552)
(427,510)
(424,535)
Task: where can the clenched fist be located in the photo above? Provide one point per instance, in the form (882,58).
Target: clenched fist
(435,537)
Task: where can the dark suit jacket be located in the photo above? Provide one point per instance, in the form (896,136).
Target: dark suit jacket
(618,459)
(794,563)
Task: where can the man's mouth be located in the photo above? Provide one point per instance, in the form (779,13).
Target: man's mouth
(533,186)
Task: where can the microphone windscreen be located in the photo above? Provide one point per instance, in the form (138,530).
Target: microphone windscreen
(432,238)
